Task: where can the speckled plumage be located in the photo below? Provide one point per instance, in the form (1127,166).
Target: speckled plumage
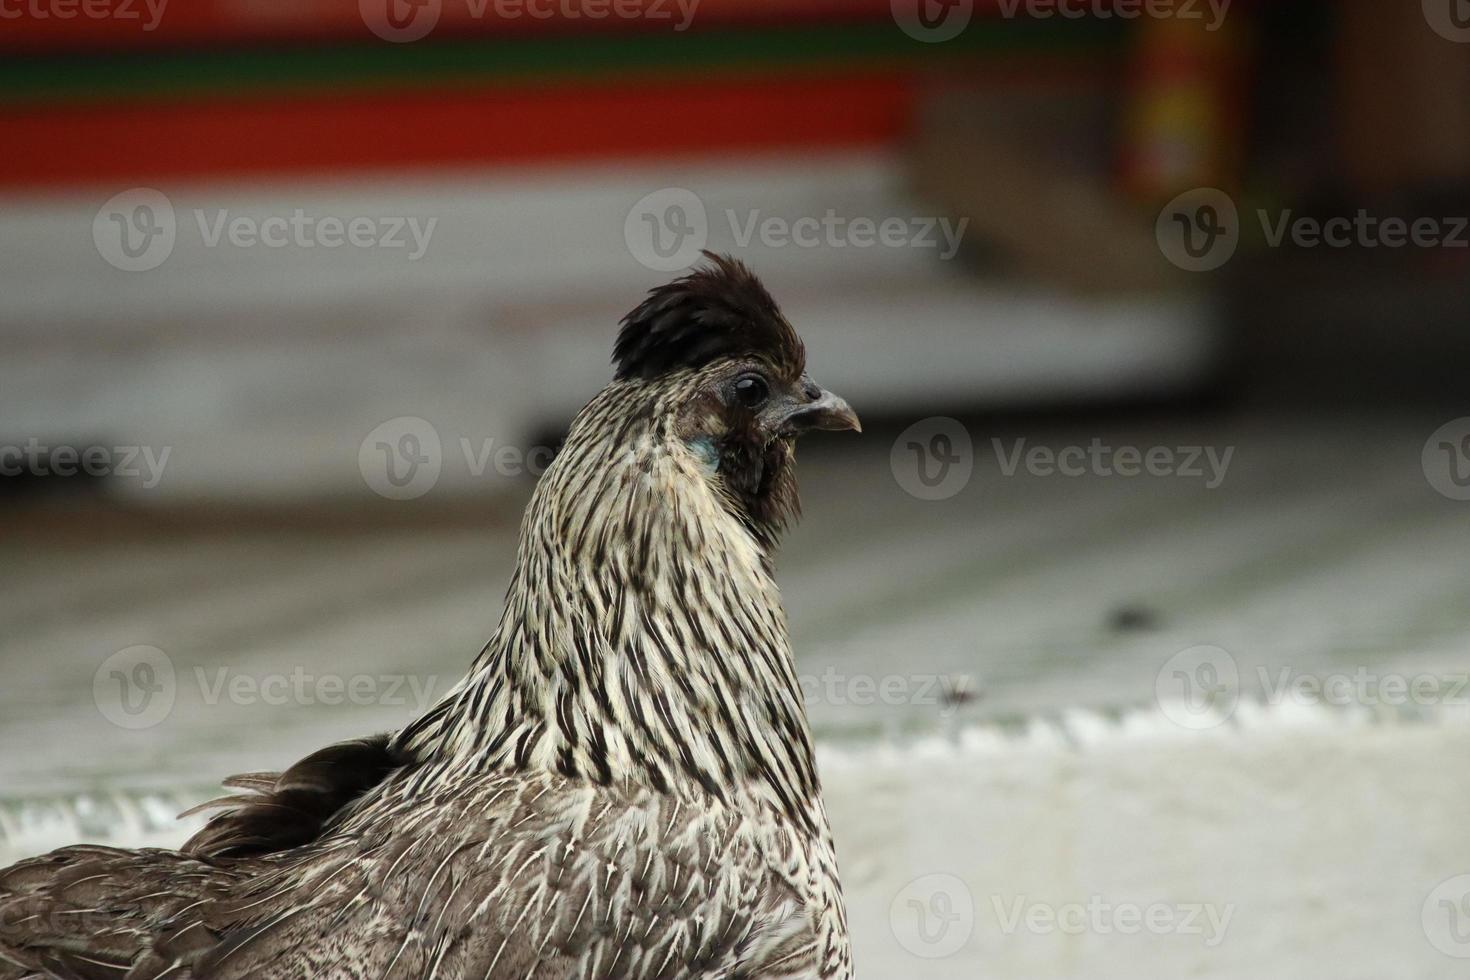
(621,788)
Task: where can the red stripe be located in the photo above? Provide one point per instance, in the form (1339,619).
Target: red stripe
(133,145)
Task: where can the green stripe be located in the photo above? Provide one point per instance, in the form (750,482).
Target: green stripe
(200,74)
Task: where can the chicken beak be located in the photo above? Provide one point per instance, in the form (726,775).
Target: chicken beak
(827,411)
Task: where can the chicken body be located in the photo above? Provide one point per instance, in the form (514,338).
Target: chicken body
(622,787)
(510,876)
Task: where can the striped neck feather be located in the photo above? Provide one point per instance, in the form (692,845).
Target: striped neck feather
(643,637)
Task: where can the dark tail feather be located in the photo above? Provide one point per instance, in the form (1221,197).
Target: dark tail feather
(279,812)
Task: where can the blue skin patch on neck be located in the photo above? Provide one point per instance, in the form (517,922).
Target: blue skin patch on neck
(707,453)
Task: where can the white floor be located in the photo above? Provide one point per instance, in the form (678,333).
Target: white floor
(1058,823)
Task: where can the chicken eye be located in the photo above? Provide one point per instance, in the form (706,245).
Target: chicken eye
(751,390)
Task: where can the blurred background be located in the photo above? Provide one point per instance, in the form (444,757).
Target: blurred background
(1135,628)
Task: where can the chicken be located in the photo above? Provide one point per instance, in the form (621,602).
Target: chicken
(623,786)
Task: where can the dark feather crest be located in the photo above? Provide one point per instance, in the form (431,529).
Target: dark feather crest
(718,310)
(276,812)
